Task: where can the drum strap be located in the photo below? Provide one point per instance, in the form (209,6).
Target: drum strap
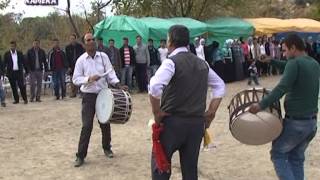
(104,66)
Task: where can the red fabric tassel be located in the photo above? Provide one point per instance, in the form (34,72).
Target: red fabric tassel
(157,149)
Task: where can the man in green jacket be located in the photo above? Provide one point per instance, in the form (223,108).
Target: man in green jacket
(300,84)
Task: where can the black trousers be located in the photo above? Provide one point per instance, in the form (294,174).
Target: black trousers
(141,72)
(183,135)
(87,113)
(16,78)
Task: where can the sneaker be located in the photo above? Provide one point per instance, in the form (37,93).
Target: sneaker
(3,104)
(79,162)
(31,100)
(108,153)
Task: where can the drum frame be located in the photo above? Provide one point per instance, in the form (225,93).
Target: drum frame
(121,109)
(241,102)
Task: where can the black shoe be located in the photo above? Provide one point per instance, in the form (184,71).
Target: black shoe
(15,102)
(3,104)
(79,162)
(57,97)
(26,102)
(31,100)
(38,100)
(108,153)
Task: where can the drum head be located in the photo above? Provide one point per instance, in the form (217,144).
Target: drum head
(256,129)
(104,105)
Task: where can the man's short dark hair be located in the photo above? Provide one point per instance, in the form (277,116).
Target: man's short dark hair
(111,40)
(138,37)
(163,40)
(150,40)
(13,42)
(294,40)
(36,40)
(55,39)
(125,38)
(179,36)
(100,38)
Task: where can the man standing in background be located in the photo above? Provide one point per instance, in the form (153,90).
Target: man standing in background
(128,61)
(114,56)
(73,51)
(163,51)
(37,62)
(142,62)
(154,59)
(59,65)
(14,63)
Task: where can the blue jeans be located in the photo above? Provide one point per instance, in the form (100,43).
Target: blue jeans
(126,76)
(287,153)
(151,71)
(59,82)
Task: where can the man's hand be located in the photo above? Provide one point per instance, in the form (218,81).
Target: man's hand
(254,108)
(94,78)
(209,116)
(123,87)
(159,116)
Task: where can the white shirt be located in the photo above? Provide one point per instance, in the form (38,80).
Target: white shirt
(166,71)
(262,49)
(87,66)
(163,53)
(14,57)
(200,52)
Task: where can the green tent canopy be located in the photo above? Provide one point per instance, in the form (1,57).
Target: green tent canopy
(118,27)
(158,28)
(196,28)
(221,29)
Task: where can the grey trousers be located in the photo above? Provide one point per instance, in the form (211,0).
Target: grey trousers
(35,81)
(184,135)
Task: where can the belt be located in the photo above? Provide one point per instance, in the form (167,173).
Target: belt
(301,117)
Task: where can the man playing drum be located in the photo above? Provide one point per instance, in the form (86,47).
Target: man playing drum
(300,84)
(181,82)
(93,71)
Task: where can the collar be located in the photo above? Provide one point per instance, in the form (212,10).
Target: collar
(96,55)
(178,50)
(13,52)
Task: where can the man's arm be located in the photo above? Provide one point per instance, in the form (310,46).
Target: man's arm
(217,92)
(289,76)
(161,79)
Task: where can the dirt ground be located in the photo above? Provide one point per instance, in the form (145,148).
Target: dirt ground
(38,141)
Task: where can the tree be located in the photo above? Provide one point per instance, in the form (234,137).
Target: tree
(206,9)
(4,4)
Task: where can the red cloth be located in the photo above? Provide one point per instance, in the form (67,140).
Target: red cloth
(58,64)
(157,149)
(245,49)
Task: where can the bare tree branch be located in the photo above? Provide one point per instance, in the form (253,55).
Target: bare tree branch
(71,19)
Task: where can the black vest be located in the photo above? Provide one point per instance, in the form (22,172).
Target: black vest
(186,93)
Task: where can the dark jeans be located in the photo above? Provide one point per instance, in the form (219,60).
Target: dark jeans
(253,78)
(87,114)
(59,82)
(183,135)
(287,153)
(2,92)
(17,78)
(141,72)
(35,79)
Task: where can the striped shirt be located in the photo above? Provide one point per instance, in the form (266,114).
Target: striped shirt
(126,56)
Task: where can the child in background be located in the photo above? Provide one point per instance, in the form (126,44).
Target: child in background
(253,73)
